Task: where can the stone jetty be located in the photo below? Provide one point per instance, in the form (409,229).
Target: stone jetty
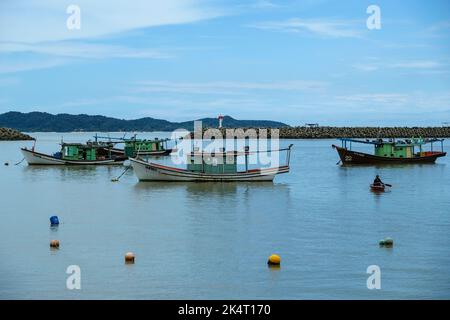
(363,132)
(351,132)
(7,134)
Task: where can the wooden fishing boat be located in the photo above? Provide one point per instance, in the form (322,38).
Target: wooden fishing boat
(74,154)
(377,187)
(390,152)
(133,146)
(208,167)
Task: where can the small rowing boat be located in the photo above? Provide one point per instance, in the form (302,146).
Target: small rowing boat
(220,166)
(378,187)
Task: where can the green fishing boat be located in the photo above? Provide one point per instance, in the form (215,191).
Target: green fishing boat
(90,153)
(143,147)
(391,151)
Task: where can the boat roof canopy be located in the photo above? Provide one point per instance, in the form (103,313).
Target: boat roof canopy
(404,142)
(131,139)
(245,152)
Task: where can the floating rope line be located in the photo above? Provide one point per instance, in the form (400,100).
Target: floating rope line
(16,164)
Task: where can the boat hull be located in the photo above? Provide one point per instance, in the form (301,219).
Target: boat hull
(354,157)
(121,152)
(377,188)
(147,171)
(37,158)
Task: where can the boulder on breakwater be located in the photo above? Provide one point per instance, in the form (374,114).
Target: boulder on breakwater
(7,134)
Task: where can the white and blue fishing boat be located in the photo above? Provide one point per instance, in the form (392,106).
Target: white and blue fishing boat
(201,166)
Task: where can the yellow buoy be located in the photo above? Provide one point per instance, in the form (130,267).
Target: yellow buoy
(54,244)
(129,257)
(274,260)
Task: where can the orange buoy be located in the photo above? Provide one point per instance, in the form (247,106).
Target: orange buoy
(274,260)
(129,257)
(54,244)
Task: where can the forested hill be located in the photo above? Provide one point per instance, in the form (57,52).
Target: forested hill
(46,122)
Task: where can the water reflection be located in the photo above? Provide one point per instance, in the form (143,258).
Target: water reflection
(212,188)
(70,172)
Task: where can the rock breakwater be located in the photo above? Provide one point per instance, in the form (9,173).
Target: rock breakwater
(7,134)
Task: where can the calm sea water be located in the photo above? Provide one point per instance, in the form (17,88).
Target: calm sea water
(212,240)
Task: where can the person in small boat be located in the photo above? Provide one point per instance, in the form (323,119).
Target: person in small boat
(377,181)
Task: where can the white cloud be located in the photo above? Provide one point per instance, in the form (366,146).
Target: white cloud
(366,66)
(37,29)
(324,28)
(265,4)
(9,82)
(419,64)
(438,30)
(375,98)
(27,65)
(386,102)
(224,87)
(73,49)
(415,65)
(45,20)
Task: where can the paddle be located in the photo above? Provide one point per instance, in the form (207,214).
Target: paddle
(389,185)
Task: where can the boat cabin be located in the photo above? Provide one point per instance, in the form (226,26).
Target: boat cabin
(394,150)
(133,146)
(78,151)
(215,163)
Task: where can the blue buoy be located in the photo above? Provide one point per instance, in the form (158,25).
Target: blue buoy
(54,220)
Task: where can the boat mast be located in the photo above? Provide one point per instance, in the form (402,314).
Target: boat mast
(247,148)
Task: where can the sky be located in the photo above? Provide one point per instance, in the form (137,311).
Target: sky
(305,61)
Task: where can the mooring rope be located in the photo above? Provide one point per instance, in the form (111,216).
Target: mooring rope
(19,162)
(117,179)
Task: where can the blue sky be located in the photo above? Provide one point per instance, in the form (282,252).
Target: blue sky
(291,61)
